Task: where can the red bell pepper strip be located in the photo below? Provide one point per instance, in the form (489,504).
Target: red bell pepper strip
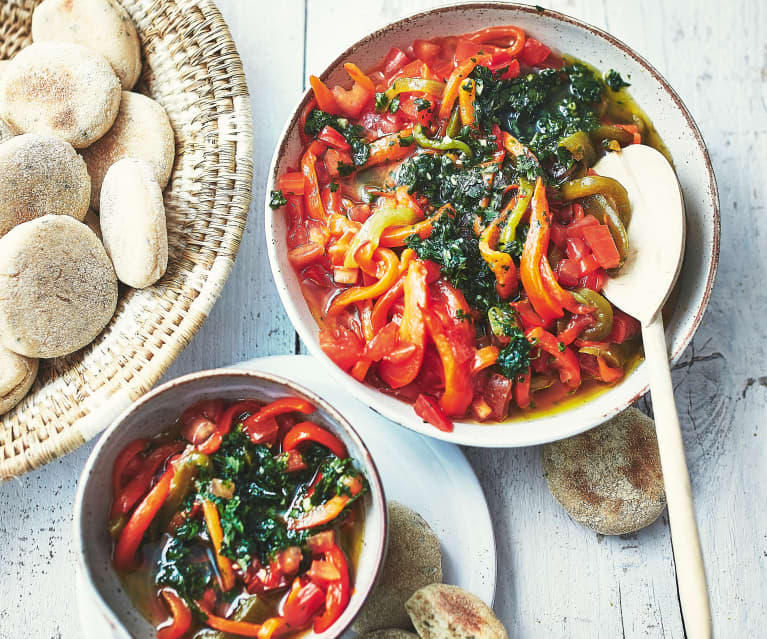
(137,487)
(295,462)
(459,74)
(338,593)
(494,34)
(125,456)
(564,358)
(574,327)
(226,421)
(312,195)
(324,96)
(562,297)
(535,249)
(311,432)
(624,327)
(216,534)
(429,410)
(292,183)
(181,616)
(333,138)
(302,604)
(327,512)
(133,533)
(521,389)
(210,445)
(607,373)
(262,428)
(359,77)
(412,329)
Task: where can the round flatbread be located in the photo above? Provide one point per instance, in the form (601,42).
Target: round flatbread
(609,478)
(41,175)
(58,289)
(17,374)
(142,130)
(101,25)
(132,223)
(389,633)
(440,611)
(413,560)
(61,89)
(6,131)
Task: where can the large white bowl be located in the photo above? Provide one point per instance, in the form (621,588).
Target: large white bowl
(153,414)
(676,127)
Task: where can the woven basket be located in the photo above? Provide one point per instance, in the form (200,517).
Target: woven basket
(192,68)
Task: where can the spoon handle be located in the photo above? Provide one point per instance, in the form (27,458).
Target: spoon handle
(691,578)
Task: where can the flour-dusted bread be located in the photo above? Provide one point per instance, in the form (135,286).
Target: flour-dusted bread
(17,374)
(142,130)
(62,89)
(133,223)
(41,175)
(58,289)
(389,633)
(6,131)
(413,560)
(440,611)
(609,478)
(102,25)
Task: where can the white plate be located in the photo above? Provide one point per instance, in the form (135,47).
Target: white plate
(430,476)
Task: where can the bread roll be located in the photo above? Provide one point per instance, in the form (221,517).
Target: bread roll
(133,224)
(389,633)
(101,25)
(440,611)
(142,130)
(41,175)
(609,478)
(17,374)
(413,559)
(58,289)
(61,89)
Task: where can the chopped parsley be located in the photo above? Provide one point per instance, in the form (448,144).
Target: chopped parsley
(353,133)
(277,199)
(614,80)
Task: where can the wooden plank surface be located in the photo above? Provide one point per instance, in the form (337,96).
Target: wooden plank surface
(556,579)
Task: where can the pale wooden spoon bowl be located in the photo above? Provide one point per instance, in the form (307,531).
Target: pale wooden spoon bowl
(656,237)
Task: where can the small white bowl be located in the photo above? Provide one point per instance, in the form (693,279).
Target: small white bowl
(672,120)
(153,414)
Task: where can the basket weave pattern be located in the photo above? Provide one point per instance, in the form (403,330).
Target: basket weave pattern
(191,67)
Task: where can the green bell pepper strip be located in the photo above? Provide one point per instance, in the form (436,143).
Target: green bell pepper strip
(509,231)
(445,144)
(375,225)
(408,85)
(603,314)
(454,123)
(611,189)
(612,132)
(580,146)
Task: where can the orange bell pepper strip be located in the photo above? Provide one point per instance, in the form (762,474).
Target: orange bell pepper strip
(216,534)
(494,34)
(359,77)
(271,628)
(338,593)
(411,329)
(133,533)
(181,616)
(535,249)
(326,101)
(466,97)
(484,358)
(388,148)
(383,304)
(607,373)
(500,263)
(453,85)
(515,148)
(397,235)
(388,267)
(312,195)
(126,455)
(325,513)
(564,357)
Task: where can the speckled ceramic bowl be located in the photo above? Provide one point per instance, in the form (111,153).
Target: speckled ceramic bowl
(154,413)
(676,127)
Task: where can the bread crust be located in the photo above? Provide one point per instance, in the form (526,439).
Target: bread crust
(609,478)
(58,289)
(17,374)
(41,175)
(132,223)
(61,89)
(440,611)
(142,130)
(101,25)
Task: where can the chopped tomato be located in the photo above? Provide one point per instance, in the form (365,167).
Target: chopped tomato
(341,345)
(602,245)
(351,102)
(534,52)
(624,327)
(498,395)
(428,409)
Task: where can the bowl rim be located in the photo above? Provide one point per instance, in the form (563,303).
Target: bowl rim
(378,495)
(344,378)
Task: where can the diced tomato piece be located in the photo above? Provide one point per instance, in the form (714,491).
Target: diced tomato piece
(383,123)
(498,395)
(588,265)
(632,128)
(568,272)
(576,248)
(512,71)
(418,109)
(333,158)
(426,50)
(595,281)
(320,543)
(352,102)
(295,460)
(576,228)
(428,409)
(360,212)
(384,342)
(559,235)
(624,327)
(466,48)
(289,560)
(575,326)
(394,61)
(341,345)
(602,245)
(534,52)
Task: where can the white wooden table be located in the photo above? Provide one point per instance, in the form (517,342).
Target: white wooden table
(556,579)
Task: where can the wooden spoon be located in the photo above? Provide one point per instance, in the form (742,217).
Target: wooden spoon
(656,246)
